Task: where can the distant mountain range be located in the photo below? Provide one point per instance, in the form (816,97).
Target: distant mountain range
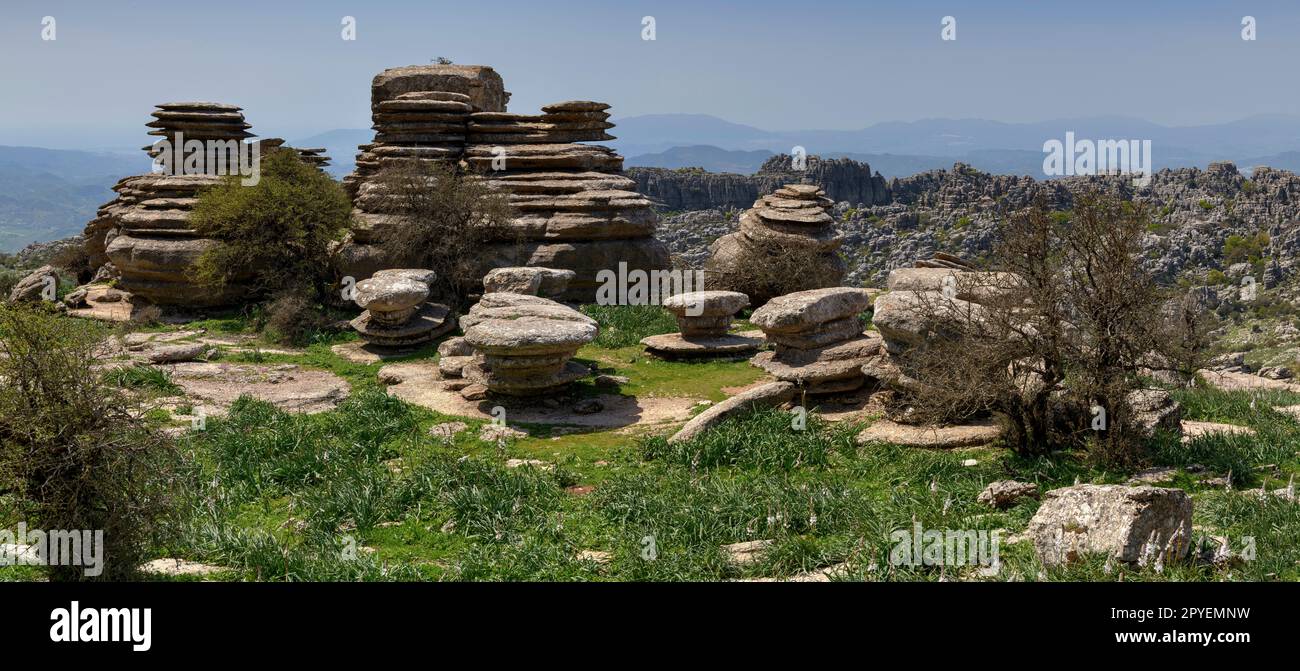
(48,194)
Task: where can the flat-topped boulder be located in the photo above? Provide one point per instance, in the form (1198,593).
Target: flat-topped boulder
(532,281)
(704,318)
(396,313)
(820,343)
(390,293)
(803,310)
(523,344)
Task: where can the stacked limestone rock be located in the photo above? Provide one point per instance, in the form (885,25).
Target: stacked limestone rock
(313,156)
(820,344)
(143,237)
(523,345)
(574,208)
(793,220)
(396,313)
(455,353)
(205,121)
(418,126)
(704,318)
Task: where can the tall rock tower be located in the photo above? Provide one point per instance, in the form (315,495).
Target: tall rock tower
(573,207)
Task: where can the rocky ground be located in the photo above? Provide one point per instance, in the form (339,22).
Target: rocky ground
(367,469)
(1203,220)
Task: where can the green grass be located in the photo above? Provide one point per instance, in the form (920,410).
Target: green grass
(363,492)
(143,376)
(626,325)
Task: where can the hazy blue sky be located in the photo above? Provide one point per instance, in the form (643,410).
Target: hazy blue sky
(776,65)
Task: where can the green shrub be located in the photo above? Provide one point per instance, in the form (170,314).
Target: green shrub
(75,453)
(278,230)
(142,376)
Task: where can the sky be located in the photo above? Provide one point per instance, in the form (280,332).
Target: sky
(775,65)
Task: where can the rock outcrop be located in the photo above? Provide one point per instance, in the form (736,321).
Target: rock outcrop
(523,345)
(704,318)
(396,313)
(789,232)
(573,209)
(843,180)
(145,231)
(819,341)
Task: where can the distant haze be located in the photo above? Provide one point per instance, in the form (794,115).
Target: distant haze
(773,65)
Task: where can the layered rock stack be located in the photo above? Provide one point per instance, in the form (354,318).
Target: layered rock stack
(789,232)
(396,313)
(819,341)
(704,318)
(573,208)
(143,237)
(418,126)
(313,156)
(523,345)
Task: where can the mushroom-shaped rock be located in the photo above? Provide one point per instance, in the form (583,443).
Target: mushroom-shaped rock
(421,275)
(390,293)
(802,310)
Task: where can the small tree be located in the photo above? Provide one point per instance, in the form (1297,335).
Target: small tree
(1065,334)
(276,234)
(74,453)
(442,219)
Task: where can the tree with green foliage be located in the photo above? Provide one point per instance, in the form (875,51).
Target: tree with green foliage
(280,229)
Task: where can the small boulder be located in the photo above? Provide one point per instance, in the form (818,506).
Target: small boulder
(1006,493)
(39,285)
(1142,525)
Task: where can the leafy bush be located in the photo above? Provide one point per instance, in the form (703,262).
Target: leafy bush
(277,231)
(74,451)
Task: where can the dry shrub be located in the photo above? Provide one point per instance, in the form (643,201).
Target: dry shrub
(764,270)
(1075,324)
(442,219)
(74,452)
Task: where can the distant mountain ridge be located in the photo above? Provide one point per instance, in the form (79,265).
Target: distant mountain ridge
(49,194)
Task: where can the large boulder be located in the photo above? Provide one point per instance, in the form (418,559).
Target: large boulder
(38,285)
(1142,525)
(906,318)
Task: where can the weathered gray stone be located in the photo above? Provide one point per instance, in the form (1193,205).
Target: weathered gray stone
(767,395)
(1143,525)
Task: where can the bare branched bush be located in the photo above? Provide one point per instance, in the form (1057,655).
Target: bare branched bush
(441,219)
(1060,338)
(767,269)
(74,451)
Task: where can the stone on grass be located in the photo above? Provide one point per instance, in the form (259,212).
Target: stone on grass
(703,318)
(974,433)
(768,395)
(1148,526)
(1006,493)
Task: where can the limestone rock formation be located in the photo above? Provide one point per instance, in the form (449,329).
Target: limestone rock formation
(145,233)
(788,232)
(395,312)
(1143,525)
(704,318)
(523,345)
(820,344)
(536,281)
(843,180)
(574,210)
